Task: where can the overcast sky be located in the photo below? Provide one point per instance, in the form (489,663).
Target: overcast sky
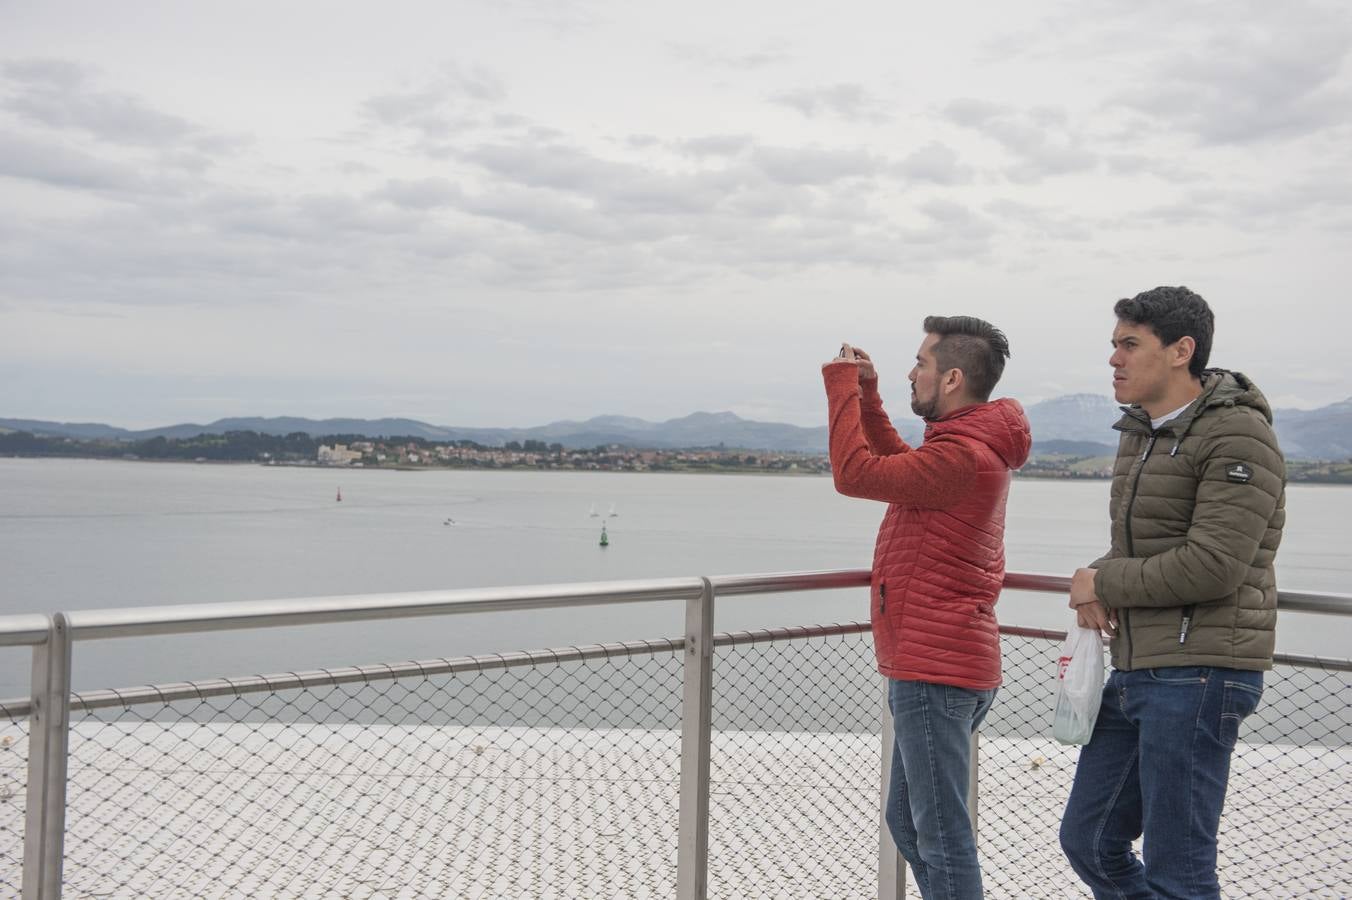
(512,212)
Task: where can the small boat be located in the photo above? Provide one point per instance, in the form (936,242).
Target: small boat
(340,496)
(593,512)
(612,514)
(605,539)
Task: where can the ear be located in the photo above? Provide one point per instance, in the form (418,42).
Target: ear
(1183,349)
(954,379)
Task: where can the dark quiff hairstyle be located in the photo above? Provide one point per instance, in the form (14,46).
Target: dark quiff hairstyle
(1172,313)
(973,345)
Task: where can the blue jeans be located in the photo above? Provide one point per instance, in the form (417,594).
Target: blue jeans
(1157,765)
(927,809)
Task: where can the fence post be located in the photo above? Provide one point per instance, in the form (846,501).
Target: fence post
(48,744)
(692,856)
(891,867)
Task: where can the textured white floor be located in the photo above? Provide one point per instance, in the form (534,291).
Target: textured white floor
(271,810)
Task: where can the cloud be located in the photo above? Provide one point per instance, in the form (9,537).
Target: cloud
(56,94)
(1323,196)
(1043,222)
(851,102)
(934,163)
(423,193)
(418,106)
(1040,140)
(717,145)
(1238,73)
(458,100)
(706,57)
(1242,85)
(60,166)
(815,165)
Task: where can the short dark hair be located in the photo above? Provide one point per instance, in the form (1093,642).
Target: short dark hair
(1172,313)
(973,345)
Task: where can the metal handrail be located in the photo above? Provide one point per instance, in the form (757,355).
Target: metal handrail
(93,624)
(25,629)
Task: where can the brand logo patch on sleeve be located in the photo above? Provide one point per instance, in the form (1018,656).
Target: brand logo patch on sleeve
(1239,473)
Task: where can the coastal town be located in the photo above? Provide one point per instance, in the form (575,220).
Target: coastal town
(416,453)
(539,455)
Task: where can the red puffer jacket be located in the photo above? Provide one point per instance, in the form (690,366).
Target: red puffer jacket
(940,557)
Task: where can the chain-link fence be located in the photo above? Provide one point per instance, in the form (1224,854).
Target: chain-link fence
(13,797)
(551,774)
(793,807)
(797,763)
(557,774)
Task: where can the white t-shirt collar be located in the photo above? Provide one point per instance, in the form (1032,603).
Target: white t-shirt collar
(1156,423)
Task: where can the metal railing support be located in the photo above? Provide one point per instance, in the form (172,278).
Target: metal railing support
(891,867)
(48,742)
(692,854)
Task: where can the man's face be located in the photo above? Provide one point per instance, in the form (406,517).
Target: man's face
(1140,362)
(925,379)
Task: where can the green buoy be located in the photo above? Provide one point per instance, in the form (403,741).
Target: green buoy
(605,540)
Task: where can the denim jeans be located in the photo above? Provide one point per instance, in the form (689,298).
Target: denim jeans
(927,799)
(1157,765)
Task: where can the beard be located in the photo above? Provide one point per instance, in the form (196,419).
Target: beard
(925,409)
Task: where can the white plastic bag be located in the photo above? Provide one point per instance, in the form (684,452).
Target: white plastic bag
(1079,686)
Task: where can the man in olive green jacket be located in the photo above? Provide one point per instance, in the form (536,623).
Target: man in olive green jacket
(1188,594)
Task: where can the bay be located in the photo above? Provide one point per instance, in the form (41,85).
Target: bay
(78,534)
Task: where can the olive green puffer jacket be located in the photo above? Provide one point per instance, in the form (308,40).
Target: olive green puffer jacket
(1197,512)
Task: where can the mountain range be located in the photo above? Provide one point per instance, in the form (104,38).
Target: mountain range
(1079,424)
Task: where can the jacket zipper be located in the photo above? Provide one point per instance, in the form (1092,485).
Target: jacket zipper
(882,598)
(1125,614)
(1186,622)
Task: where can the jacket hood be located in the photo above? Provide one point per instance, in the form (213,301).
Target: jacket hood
(1000,424)
(1221,387)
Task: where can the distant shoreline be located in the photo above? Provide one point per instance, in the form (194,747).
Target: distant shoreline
(1034,475)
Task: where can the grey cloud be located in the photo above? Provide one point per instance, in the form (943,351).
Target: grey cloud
(1039,140)
(1042,221)
(1244,85)
(1324,195)
(425,108)
(845,101)
(1173,169)
(58,166)
(425,193)
(812,165)
(1243,71)
(616,186)
(934,163)
(717,144)
(770,55)
(56,95)
(949,214)
(54,73)
(973,113)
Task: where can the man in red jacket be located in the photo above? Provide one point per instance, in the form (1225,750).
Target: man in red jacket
(937,570)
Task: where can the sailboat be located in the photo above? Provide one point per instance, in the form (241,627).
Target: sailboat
(605,539)
(612,514)
(340,496)
(593,512)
